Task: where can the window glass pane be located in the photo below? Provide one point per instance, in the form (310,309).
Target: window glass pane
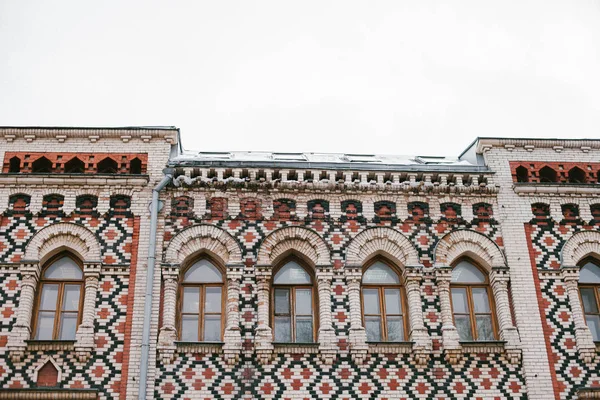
(49,296)
(395,328)
(593,322)
(304,301)
(304,330)
(465,272)
(481,301)
(212,328)
(393,304)
(282,301)
(203,271)
(590,273)
(373,327)
(485,330)
(589,300)
(45,325)
(283,331)
(459,300)
(191,299)
(68,326)
(71,298)
(63,268)
(189,328)
(213,299)
(371,301)
(380,273)
(463,325)
(292,273)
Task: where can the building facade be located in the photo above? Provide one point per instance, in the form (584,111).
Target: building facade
(296,275)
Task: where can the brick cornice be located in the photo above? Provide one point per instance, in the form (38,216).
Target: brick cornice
(169,134)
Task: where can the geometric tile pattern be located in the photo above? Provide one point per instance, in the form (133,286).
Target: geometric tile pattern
(546,242)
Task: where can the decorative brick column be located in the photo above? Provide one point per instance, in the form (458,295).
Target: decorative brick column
(499,279)
(418,332)
(232,336)
(358,334)
(84,344)
(21,331)
(326,338)
(264,334)
(168,331)
(583,336)
(450,338)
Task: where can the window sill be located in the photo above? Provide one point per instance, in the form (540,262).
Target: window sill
(491,346)
(296,348)
(50,345)
(199,347)
(50,393)
(390,347)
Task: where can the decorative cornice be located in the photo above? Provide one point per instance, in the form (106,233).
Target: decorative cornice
(48,180)
(558,189)
(558,145)
(145,134)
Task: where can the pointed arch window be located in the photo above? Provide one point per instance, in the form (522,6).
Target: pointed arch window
(60,300)
(384,305)
(202,306)
(589,289)
(293,315)
(472,303)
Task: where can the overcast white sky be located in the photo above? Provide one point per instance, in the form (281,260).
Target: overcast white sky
(405,77)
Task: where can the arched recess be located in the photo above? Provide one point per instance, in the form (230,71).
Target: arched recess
(579,246)
(203,238)
(301,241)
(467,243)
(63,236)
(382,241)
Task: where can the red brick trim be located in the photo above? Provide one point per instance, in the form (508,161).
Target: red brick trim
(90,161)
(545,327)
(130,302)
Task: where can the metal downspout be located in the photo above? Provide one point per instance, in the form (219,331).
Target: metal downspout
(149,282)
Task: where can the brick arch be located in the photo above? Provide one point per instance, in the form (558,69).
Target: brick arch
(60,237)
(383,241)
(579,246)
(302,241)
(203,238)
(468,243)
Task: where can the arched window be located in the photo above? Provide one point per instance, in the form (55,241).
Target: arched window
(60,300)
(472,304)
(293,304)
(383,304)
(202,306)
(589,288)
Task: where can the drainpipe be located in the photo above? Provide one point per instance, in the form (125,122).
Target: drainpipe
(150,281)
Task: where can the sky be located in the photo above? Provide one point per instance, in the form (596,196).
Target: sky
(386,77)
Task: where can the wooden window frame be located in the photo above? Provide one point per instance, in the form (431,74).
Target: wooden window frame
(202,303)
(382,308)
(472,314)
(58,312)
(292,288)
(595,288)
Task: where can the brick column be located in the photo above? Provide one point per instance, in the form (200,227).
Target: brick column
(450,338)
(21,331)
(168,332)
(264,334)
(418,332)
(326,339)
(84,344)
(358,335)
(583,336)
(233,337)
(508,332)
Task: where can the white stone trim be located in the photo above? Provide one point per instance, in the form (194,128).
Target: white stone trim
(468,243)
(63,236)
(579,246)
(303,241)
(42,363)
(206,238)
(46,243)
(381,241)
